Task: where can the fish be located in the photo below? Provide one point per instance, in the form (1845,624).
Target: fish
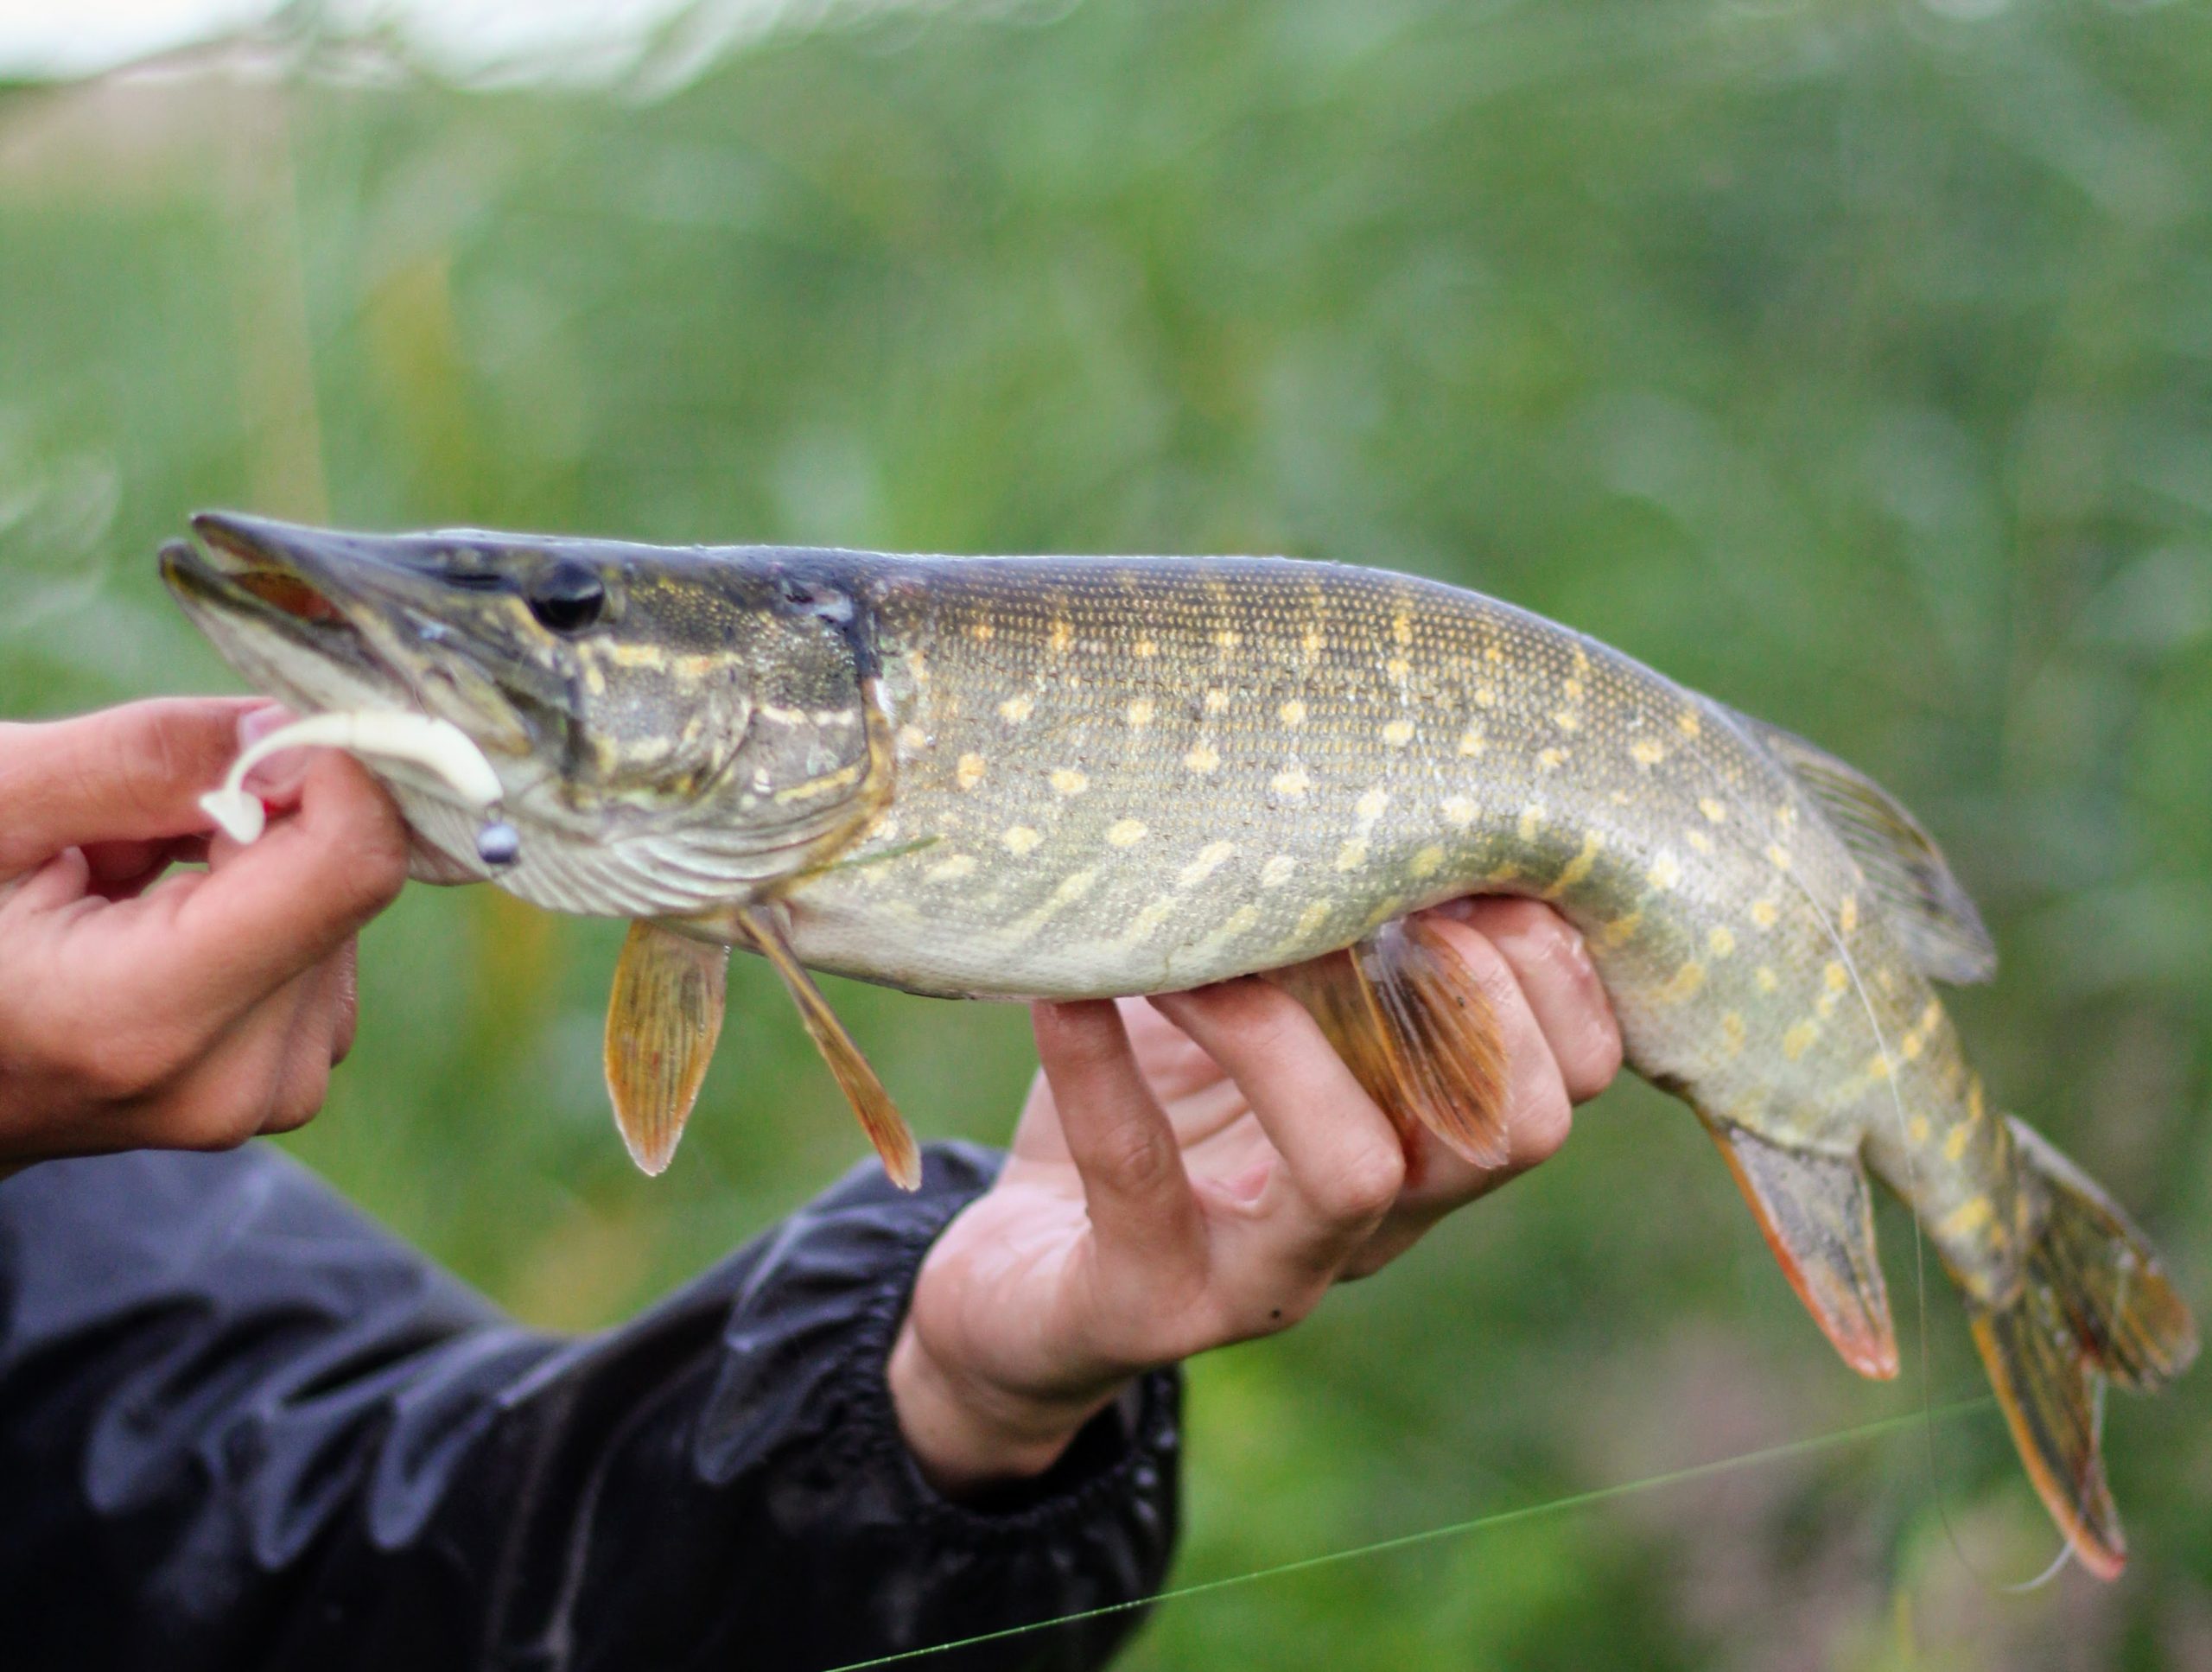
(1063,777)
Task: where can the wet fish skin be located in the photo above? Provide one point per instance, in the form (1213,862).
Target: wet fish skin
(1063,778)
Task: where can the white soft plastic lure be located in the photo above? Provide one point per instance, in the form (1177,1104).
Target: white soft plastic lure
(436,746)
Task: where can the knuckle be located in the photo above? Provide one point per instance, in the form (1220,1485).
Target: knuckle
(1365,1184)
(128,1064)
(1542,1126)
(1138,1158)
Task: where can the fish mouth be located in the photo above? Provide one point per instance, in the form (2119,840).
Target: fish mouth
(247,573)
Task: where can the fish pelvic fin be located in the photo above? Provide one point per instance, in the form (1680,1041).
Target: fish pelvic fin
(663,1020)
(1418,1032)
(1932,914)
(878,1117)
(2094,1301)
(1817,1213)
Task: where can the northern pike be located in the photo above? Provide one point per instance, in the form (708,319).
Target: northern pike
(1075,777)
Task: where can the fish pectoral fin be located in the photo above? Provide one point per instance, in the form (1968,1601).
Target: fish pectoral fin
(1933,914)
(1818,1217)
(662,1022)
(878,1117)
(1416,1030)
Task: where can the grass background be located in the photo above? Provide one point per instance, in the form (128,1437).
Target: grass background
(1850,362)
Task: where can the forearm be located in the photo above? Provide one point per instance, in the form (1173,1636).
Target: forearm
(368,1467)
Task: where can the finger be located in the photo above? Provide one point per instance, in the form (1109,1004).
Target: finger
(231,1092)
(1551,963)
(1138,1196)
(303,1081)
(345,1001)
(222,941)
(123,870)
(1343,1165)
(130,773)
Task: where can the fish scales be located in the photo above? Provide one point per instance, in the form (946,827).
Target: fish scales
(1063,778)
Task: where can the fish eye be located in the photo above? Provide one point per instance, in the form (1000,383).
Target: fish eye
(567,598)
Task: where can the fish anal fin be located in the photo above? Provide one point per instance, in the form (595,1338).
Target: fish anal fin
(1415,1028)
(1817,1214)
(1932,914)
(878,1117)
(663,1020)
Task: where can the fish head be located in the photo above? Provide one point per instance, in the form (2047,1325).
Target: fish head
(690,725)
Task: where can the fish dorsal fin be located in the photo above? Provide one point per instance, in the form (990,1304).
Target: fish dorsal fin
(1818,1216)
(662,1022)
(1415,1028)
(879,1117)
(1932,914)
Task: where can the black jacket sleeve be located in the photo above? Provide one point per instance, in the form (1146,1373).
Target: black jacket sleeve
(241,1426)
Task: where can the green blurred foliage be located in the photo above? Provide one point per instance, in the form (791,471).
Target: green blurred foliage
(1850,362)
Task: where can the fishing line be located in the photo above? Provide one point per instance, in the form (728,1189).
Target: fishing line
(1919,1240)
(1811,1445)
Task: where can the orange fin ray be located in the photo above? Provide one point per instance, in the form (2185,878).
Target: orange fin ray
(878,1117)
(1415,1028)
(1817,1213)
(663,1020)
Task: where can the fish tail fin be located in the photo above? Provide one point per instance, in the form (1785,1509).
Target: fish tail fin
(2094,1302)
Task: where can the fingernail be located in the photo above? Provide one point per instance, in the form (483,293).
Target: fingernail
(280,776)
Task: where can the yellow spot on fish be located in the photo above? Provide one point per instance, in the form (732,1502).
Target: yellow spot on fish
(1470,740)
(952,869)
(1229,638)
(1578,866)
(1370,806)
(1688,722)
(1398,733)
(1139,713)
(1210,859)
(1217,700)
(1765,976)
(1239,920)
(1918,1129)
(1126,832)
(1968,1218)
(1954,1143)
(1836,976)
(1686,980)
(1485,696)
(1459,810)
(1142,925)
(1799,1040)
(1700,842)
(1568,721)
(1402,628)
(1290,781)
(1779,856)
(1911,1046)
(1020,839)
(1062,636)
(969,773)
(1397,667)
(1067,780)
(1277,871)
(1666,871)
(913,738)
(1314,916)
(1203,758)
(1721,939)
(1930,1016)
(1765,914)
(1574,689)
(1731,1031)
(1712,809)
(1532,820)
(1146,647)
(1645,752)
(1016,710)
(1974,1100)
(1621,930)
(981,631)
(1315,642)
(1292,713)
(1846,914)
(1352,854)
(1426,862)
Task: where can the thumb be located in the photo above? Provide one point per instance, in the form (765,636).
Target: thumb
(127,774)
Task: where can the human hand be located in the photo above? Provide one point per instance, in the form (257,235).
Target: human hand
(187,1011)
(1198,1169)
